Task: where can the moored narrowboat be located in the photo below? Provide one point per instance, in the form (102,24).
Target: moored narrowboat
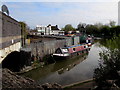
(66,52)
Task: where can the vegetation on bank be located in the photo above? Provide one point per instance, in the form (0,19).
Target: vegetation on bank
(113,43)
(107,75)
(98,29)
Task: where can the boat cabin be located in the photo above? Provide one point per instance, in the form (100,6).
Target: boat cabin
(61,51)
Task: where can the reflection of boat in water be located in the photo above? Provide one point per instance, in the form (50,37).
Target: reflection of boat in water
(68,52)
(60,67)
(67,65)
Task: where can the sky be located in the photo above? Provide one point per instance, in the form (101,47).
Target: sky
(62,13)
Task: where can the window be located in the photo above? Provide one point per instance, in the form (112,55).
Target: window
(73,49)
(65,50)
(84,46)
(58,51)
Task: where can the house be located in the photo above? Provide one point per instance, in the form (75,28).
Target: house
(43,30)
(49,30)
(55,30)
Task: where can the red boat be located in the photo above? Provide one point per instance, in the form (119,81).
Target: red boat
(66,52)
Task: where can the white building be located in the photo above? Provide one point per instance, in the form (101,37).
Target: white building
(43,30)
(48,30)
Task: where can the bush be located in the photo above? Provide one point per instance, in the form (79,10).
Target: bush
(109,69)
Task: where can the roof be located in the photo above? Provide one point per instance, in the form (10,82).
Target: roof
(33,30)
(54,27)
(75,46)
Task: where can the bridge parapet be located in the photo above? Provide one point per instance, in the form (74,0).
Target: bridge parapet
(10,35)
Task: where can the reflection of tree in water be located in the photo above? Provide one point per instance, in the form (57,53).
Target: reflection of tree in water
(107,75)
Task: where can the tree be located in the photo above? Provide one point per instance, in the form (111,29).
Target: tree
(92,29)
(81,27)
(112,23)
(108,70)
(98,25)
(105,30)
(23,32)
(107,74)
(68,27)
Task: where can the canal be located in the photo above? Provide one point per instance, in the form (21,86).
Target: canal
(69,71)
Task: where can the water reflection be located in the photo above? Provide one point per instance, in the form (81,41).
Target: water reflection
(60,67)
(64,66)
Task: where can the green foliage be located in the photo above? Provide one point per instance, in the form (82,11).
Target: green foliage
(109,64)
(111,44)
(112,23)
(81,27)
(100,30)
(115,30)
(68,27)
(108,69)
(92,29)
(105,30)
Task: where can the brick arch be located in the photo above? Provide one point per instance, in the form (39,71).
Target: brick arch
(15,61)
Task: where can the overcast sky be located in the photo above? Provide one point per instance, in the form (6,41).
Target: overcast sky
(62,13)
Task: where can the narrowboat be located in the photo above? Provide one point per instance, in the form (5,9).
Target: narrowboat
(66,52)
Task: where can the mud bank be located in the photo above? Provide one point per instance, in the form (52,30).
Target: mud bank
(11,80)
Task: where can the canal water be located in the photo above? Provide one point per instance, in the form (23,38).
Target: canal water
(69,71)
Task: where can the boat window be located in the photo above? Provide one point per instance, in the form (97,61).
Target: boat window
(84,46)
(58,51)
(73,49)
(64,50)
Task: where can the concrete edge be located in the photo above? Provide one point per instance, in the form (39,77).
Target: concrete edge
(77,83)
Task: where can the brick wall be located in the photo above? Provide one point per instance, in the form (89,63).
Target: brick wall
(10,30)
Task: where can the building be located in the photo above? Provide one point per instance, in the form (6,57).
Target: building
(43,30)
(55,30)
(10,35)
(49,30)
(33,32)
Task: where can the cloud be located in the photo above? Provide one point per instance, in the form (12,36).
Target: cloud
(60,0)
(62,13)
(88,13)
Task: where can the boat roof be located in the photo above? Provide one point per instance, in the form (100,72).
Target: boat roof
(75,46)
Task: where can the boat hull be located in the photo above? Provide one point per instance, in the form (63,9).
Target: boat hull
(57,58)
